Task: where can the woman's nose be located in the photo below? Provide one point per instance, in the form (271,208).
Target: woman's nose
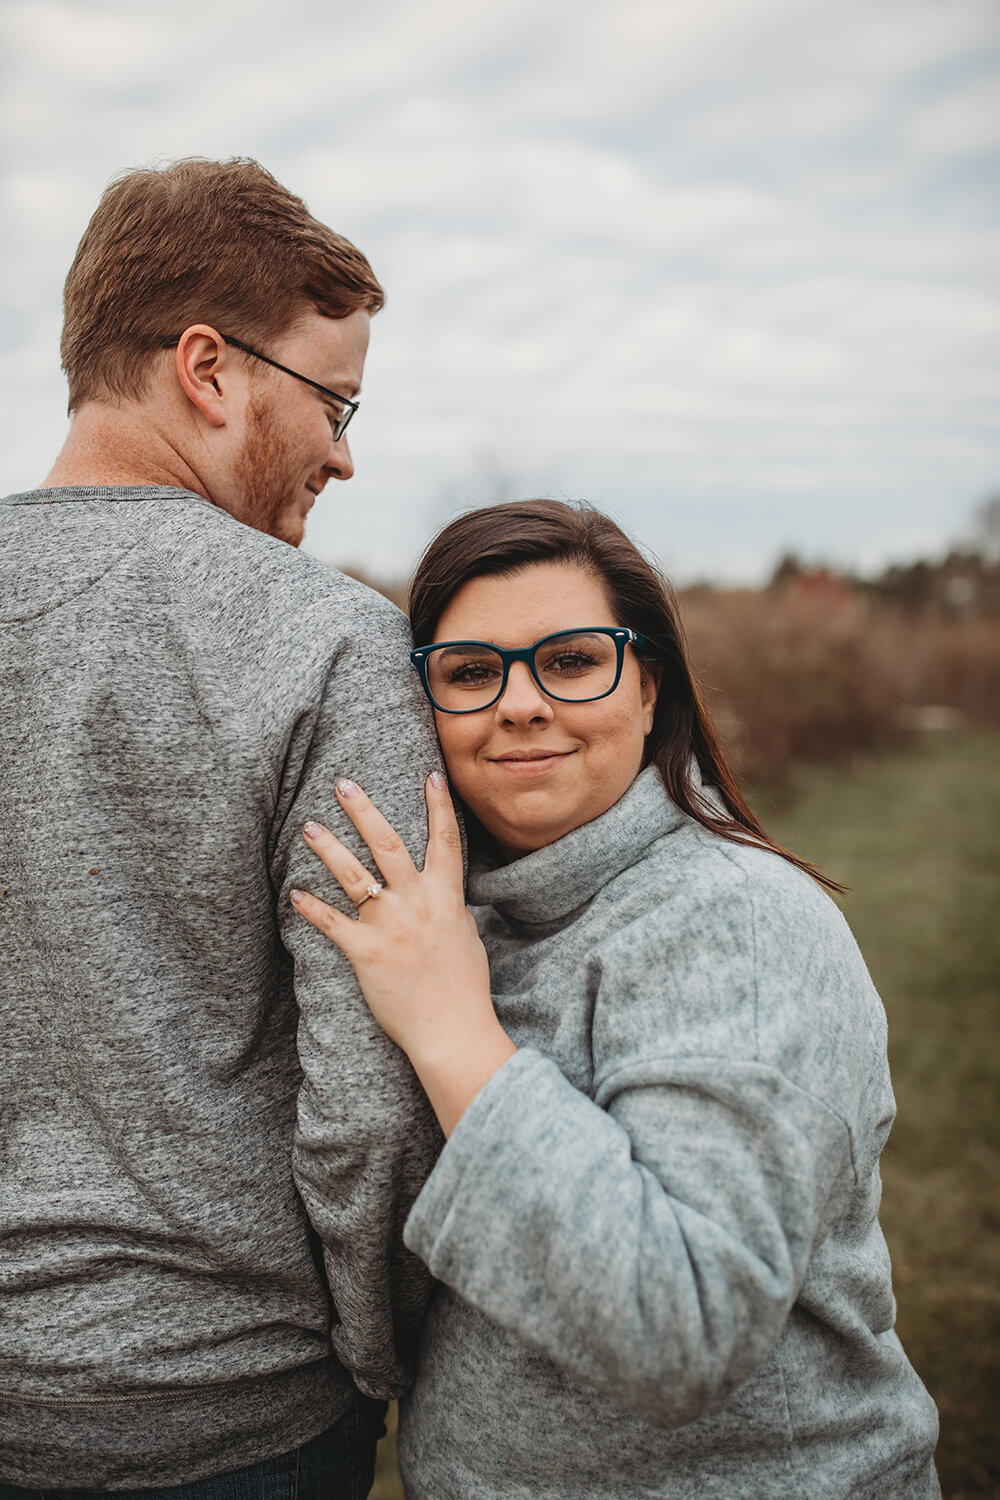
(523,700)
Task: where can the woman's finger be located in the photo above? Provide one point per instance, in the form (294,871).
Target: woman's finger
(444,838)
(388,850)
(357,882)
(330,922)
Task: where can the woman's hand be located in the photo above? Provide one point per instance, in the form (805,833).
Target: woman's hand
(414,947)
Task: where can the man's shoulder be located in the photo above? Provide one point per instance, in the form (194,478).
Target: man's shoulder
(245,575)
(190,536)
(169,551)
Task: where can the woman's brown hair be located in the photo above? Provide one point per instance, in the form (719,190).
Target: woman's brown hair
(507,538)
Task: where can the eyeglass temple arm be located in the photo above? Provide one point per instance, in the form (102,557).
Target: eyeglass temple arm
(324,390)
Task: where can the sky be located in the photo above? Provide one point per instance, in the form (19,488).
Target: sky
(729,270)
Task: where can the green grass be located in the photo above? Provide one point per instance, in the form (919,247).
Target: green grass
(915,836)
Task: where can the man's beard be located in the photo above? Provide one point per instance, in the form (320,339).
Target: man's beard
(263,477)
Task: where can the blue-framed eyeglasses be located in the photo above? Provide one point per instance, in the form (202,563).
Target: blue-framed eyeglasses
(572,666)
(346,410)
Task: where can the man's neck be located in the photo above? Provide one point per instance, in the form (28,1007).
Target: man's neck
(120,446)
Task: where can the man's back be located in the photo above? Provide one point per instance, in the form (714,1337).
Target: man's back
(178,694)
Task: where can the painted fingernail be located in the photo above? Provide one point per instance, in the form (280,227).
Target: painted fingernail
(438,779)
(311,830)
(346,788)
(296,896)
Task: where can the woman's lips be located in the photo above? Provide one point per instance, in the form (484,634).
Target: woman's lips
(530,764)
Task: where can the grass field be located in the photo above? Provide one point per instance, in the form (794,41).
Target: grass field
(915,836)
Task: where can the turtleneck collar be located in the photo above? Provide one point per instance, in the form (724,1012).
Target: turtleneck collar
(548,884)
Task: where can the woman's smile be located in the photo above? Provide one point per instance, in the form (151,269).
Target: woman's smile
(530,762)
(532,767)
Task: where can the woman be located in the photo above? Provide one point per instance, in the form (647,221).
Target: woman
(654,1217)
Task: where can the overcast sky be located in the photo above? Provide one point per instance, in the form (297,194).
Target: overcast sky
(728,268)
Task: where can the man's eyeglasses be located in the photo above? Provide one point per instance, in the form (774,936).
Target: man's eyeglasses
(347,407)
(573,666)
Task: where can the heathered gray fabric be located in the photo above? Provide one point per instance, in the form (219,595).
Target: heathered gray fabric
(178,694)
(656,1224)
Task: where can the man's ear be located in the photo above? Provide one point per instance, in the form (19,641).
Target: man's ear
(203,364)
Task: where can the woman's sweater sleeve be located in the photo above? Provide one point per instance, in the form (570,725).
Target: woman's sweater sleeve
(652,1240)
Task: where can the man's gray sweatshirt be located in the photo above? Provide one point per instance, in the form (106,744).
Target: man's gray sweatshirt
(207,1146)
(657,1223)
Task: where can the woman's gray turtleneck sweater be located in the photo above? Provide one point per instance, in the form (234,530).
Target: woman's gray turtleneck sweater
(656,1225)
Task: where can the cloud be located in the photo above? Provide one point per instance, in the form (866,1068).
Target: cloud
(729,268)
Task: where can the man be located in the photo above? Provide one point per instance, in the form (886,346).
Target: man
(207,1147)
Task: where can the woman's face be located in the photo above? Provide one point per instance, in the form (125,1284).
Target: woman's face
(531,768)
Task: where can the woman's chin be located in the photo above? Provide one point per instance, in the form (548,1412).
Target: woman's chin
(524,834)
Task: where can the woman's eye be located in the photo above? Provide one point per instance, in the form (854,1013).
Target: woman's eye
(472,673)
(569,663)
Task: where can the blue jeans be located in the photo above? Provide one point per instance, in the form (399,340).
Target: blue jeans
(338,1465)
